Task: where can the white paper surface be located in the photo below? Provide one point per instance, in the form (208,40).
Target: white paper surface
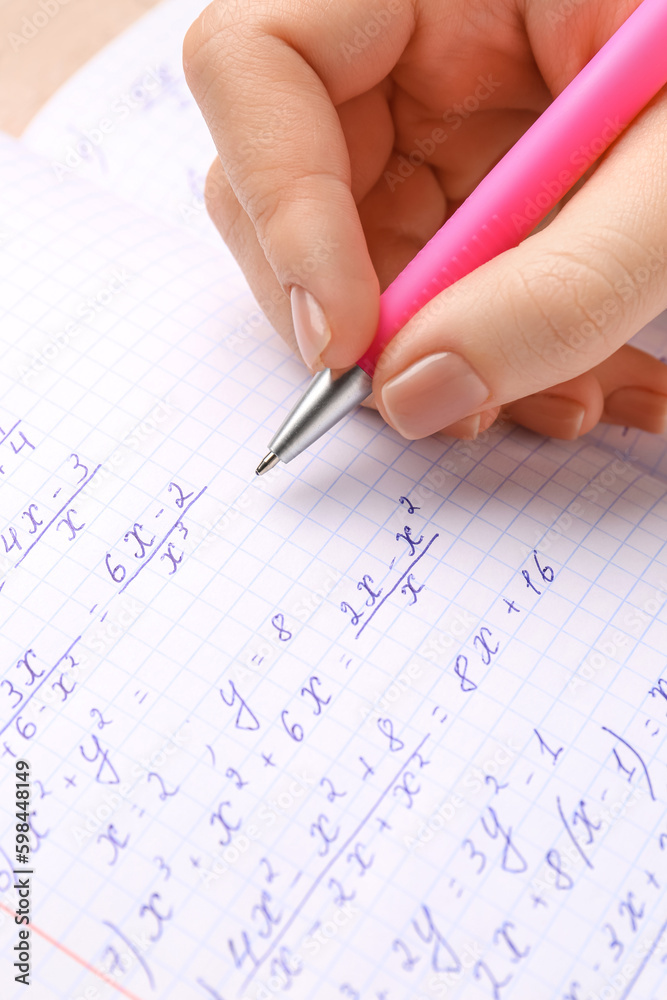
(389,723)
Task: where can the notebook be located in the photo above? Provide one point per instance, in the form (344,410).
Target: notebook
(128,122)
(387,723)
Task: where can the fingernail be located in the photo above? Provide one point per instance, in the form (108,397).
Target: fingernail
(310,326)
(465,430)
(435,392)
(553,416)
(637,408)
(470,428)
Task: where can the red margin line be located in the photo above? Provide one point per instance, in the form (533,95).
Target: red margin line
(76,958)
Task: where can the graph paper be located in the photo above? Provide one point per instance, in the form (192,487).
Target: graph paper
(154,148)
(388,723)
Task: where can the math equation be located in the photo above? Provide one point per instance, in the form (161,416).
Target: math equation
(235,745)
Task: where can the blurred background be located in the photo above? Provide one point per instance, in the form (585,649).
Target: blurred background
(43,42)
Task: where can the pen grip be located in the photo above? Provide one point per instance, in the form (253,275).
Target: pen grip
(531,179)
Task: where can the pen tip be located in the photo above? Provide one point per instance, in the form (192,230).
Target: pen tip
(268,462)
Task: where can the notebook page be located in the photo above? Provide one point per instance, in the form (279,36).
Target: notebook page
(127,121)
(388,723)
(156,151)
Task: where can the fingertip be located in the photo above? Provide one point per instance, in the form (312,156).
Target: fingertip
(311,327)
(196,38)
(565,411)
(488,418)
(470,428)
(551,415)
(334,330)
(464,430)
(634,406)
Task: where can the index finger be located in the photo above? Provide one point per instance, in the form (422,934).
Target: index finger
(267,77)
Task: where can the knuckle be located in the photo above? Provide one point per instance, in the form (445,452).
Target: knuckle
(194,45)
(263,197)
(217,189)
(216,29)
(222,205)
(271,194)
(554,300)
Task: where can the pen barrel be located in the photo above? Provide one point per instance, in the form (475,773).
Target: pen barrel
(330,396)
(532,178)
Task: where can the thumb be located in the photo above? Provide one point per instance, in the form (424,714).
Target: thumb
(549,310)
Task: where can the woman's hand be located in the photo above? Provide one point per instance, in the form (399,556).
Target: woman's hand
(349,132)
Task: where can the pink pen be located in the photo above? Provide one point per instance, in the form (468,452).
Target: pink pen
(513,198)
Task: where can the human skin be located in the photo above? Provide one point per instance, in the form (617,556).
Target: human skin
(317,107)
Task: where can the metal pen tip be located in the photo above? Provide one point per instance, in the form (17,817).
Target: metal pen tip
(268,462)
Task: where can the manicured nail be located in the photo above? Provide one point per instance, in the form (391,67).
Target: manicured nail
(553,416)
(433,393)
(637,408)
(470,428)
(310,326)
(465,430)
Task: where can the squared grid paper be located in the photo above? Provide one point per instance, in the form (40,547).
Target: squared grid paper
(461,794)
(155,149)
